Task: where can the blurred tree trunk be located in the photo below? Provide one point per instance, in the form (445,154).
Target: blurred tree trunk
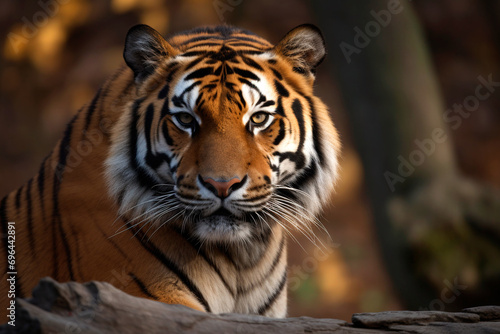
(396,112)
(492,10)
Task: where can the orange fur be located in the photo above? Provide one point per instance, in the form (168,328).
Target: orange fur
(73,221)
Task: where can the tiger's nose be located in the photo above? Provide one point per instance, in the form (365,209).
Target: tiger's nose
(221,188)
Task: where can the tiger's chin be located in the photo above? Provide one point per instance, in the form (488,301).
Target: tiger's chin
(221,227)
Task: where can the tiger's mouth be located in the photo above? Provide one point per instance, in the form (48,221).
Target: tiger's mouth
(222,212)
(222,225)
(223,216)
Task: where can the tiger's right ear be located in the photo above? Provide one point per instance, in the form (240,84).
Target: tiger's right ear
(144,49)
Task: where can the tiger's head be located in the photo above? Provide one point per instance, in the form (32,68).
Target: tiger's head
(223,136)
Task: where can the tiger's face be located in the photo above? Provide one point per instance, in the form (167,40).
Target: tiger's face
(226,137)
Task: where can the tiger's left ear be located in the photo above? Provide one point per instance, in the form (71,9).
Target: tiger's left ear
(304,47)
(144,49)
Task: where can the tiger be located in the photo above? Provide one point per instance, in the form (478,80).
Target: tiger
(183,178)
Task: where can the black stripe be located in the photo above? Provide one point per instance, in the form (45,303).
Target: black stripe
(76,247)
(264,308)
(297,157)
(148,122)
(91,110)
(166,134)
(198,99)
(5,242)
(55,252)
(318,145)
(309,173)
(224,54)
(267,103)
(298,112)
(153,160)
(279,108)
(209,87)
(280,89)
(173,68)
(193,53)
(222,37)
(200,73)
(277,74)
(237,44)
(246,74)
(281,133)
(202,38)
(242,100)
(248,39)
(271,269)
(143,287)
(250,62)
(260,241)
(219,30)
(19,287)
(56,215)
(153,250)
(104,93)
(3,223)
(41,187)
(193,63)
(185,199)
(165,109)
(231,99)
(18,198)
(204,44)
(245,81)
(108,239)
(251,199)
(251,52)
(178,101)
(299,70)
(196,245)
(163,92)
(218,70)
(29,205)
(143,177)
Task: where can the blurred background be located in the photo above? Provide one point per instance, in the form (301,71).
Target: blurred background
(411,86)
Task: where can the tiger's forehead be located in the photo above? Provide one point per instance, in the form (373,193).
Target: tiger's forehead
(212,38)
(222,83)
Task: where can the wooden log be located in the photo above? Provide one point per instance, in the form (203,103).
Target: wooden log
(98,307)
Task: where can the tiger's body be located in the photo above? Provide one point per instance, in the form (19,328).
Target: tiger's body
(180,180)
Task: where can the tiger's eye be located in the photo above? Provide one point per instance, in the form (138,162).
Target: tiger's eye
(184,118)
(259,118)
